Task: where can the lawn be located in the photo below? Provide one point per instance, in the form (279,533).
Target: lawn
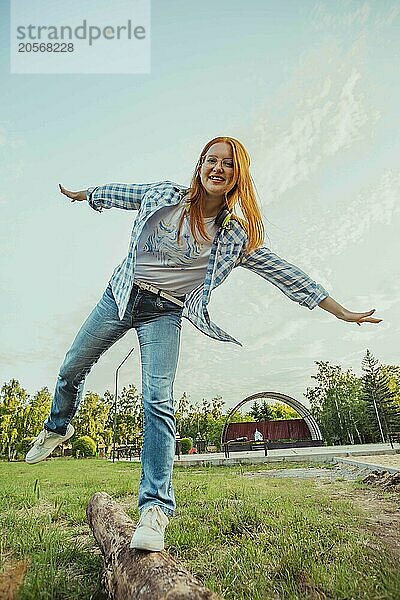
(245,538)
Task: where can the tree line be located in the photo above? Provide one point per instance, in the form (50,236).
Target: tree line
(356,410)
(348,409)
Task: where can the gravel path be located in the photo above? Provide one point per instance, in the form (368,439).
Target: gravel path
(386,460)
(349,473)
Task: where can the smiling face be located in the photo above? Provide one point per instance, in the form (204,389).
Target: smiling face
(216,173)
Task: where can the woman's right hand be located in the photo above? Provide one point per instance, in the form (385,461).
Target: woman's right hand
(75,196)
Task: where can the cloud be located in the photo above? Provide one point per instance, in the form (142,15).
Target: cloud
(3,137)
(352,16)
(386,20)
(11,165)
(348,120)
(355,216)
(333,116)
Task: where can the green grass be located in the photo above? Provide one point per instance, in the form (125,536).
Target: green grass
(245,538)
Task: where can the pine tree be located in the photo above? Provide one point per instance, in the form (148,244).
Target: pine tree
(262,412)
(383,410)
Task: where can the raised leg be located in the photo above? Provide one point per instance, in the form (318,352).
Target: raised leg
(99,332)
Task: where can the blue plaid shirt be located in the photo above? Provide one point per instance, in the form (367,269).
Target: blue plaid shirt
(227,252)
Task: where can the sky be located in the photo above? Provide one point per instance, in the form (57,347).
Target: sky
(311,88)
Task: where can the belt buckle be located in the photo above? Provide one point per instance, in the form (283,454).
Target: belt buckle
(157,292)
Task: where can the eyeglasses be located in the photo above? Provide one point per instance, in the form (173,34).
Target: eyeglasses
(212,160)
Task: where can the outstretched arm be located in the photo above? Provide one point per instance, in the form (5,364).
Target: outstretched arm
(298,286)
(342,313)
(291,280)
(113,195)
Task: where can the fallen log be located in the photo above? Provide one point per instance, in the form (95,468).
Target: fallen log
(130,573)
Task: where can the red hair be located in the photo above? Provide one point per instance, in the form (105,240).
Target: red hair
(242,193)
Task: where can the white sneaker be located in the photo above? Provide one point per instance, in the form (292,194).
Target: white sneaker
(149,532)
(45,443)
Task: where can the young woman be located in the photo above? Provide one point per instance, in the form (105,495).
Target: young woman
(184,243)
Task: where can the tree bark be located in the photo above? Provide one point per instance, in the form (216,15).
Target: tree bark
(131,573)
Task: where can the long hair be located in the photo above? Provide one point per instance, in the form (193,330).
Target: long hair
(241,193)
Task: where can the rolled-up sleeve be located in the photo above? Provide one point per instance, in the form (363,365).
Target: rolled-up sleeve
(127,196)
(291,280)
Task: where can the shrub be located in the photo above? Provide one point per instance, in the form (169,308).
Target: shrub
(186,444)
(22,446)
(84,446)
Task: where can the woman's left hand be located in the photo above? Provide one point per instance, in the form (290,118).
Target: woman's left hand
(354,317)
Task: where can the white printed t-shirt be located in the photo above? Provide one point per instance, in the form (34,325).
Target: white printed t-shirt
(169,266)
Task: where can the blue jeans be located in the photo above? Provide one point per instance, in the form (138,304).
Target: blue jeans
(157,322)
